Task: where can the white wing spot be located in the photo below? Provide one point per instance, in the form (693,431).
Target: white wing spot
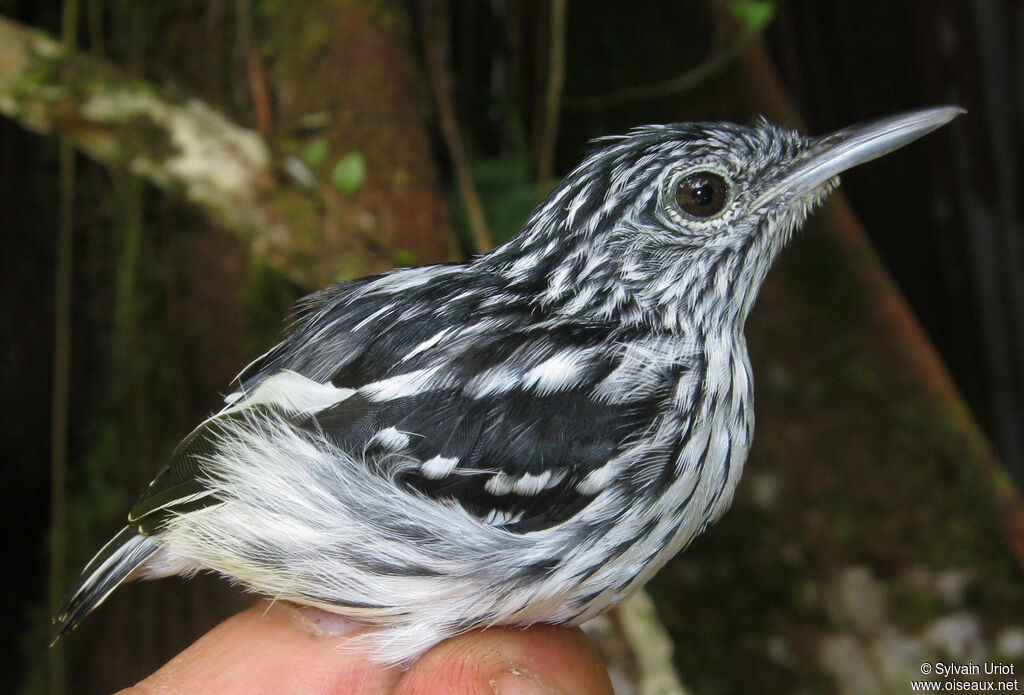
(439,467)
(494,381)
(597,480)
(391,438)
(289,391)
(558,372)
(531,484)
(499,484)
(400,386)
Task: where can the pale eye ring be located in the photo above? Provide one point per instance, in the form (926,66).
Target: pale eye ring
(701,194)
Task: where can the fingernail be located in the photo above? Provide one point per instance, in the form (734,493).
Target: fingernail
(519,681)
(318,622)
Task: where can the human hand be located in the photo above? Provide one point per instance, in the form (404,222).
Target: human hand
(287,649)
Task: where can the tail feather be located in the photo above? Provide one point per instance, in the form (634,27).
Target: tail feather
(114,564)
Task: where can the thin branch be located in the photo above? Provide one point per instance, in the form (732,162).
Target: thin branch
(553,95)
(257,77)
(61,394)
(441,87)
(255,73)
(651,646)
(60,399)
(714,63)
(96,41)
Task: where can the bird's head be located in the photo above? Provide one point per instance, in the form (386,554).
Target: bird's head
(678,223)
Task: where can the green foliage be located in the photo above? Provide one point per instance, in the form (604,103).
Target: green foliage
(506,193)
(34,641)
(316,152)
(268,298)
(754,15)
(293,32)
(404,257)
(349,172)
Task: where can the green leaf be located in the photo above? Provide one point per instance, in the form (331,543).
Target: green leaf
(316,152)
(752,14)
(349,172)
(404,257)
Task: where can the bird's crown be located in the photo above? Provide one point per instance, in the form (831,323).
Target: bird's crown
(661,221)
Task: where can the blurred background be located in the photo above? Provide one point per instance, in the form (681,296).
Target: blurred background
(176,175)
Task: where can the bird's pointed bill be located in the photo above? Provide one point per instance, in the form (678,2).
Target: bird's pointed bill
(855,145)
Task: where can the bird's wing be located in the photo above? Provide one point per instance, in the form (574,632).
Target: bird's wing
(512,415)
(522,426)
(520,460)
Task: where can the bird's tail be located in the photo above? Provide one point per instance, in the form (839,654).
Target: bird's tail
(110,567)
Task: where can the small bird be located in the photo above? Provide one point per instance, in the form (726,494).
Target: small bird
(524,437)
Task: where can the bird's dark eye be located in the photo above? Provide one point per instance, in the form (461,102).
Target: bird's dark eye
(702,194)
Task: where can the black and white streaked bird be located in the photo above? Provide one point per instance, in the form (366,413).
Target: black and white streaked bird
(525,437)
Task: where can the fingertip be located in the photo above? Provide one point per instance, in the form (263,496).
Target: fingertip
(510,661)
(273,649)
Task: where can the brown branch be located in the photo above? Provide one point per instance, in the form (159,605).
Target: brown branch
(257,78)
(61,389)
(441,88)
(255,74)
(553,95)
(715,62)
